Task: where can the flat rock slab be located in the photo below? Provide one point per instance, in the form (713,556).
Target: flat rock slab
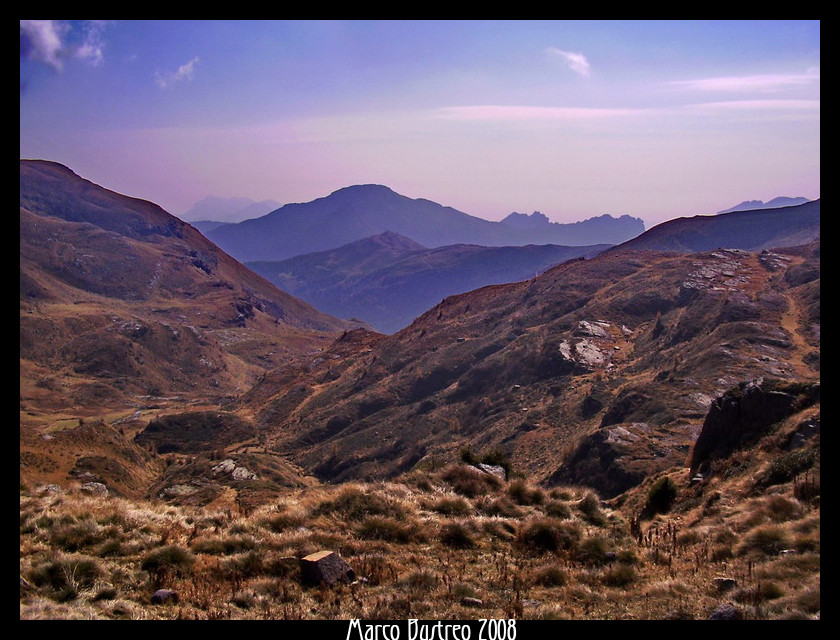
(325,567)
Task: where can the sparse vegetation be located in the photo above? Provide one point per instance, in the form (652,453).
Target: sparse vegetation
(418,553)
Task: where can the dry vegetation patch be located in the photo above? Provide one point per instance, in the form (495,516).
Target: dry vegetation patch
(433,549)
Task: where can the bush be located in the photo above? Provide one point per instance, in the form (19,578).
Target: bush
(522,494)
(765,540)
(457,535)
(787,466)
(355,504)
(558,509)
(165,560)
(67,575)
(452,507)
(551,576)
(387,529)
(549,536)
(620,575)
(661,496)
(224,545)
(470,482)
(590,507)
(592,550)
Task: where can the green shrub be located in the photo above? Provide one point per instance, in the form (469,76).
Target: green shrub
(661,496)
(787,466)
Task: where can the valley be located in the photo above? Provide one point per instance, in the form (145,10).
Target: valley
(522,448)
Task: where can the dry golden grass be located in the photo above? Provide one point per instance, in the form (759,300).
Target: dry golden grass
(420,550)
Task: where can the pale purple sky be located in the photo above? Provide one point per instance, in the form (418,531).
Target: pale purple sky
(654,119)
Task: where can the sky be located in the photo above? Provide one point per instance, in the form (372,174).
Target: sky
(575,119)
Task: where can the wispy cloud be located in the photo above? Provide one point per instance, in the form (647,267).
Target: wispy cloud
(523,113)
(41,40)
(762,83)
(577,62)
(92,47)
(184,73)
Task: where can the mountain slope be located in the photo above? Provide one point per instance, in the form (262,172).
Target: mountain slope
(361,211)
(388,280)
(118,299)
(749,230)
(636,343)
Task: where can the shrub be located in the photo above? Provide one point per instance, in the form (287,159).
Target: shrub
(67,575)
(457,535)
(592,550)
(165,560)
(547,535)
(279,522)
(422,580)
(224,545)
(470,482)
(787,466)
(661,496)
(387,529)
(355,504)
(620,575)
(558,509)
(456,506)
(75,535)
(503,507)
(590,507)
(551,576)
(521,493)
(765,540)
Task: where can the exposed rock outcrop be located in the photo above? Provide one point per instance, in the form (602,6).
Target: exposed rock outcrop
(745,413)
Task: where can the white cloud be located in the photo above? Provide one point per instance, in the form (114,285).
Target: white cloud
(41,40)
(577,62)
(184,72)
(764,83)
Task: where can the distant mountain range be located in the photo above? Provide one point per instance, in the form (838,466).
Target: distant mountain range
(781,201)
(388,280)
(361,211)
(227,210)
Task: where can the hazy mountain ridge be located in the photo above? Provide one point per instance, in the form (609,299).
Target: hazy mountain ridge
(388,280)
(361,211)
(751,230)
(780,201)
(227,210)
